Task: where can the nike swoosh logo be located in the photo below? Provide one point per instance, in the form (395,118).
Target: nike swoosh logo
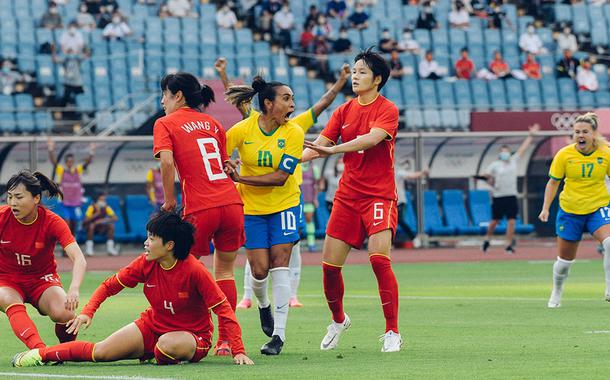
(329,343)
(4,241)
(248,142)
(377,223)
(345,126)
(280,307)
(386,303)
(288,233)
(24,331)
(150,286)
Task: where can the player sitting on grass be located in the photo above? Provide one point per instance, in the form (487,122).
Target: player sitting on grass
(175,328)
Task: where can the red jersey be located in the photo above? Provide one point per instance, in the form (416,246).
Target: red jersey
(198,143)
(532,69)
(368,173)
(464,68)
(28,249)
(180,298)
(498,66)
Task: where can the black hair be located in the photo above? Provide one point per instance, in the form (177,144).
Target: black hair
(195,94)
(464,49)
(240,95)
(68,156)
(35,183)
(378,65)
(169,226)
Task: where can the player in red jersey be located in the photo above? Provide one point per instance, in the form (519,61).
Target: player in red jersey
(194,144)
(176,327)
(28,271)
(365,202)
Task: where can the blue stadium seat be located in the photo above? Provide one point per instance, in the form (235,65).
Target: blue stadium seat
(423,37)
(25,122)
(45,70)
(393,92)
(514,94)
(458,40)
(479,203)
(6,103)
(464,118)
(432,119)
(497,95)
(440,39)
(475,37)
(492,37)
(7,122)
(480,95)
(601,71)
(445,93)
(461,90)
(410,91)
(433,222)
(602,98)
(43,121)
(120,231)
(580,20)
(24,102)
(409,213)
(563,13)
(567,89)
(586,100)
(455,213)
(549,93)
(532,94)
(414,119)
(449,118)
(138,210)
(321,215)
(427,92)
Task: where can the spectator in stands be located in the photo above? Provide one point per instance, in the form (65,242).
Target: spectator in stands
(429,68)
(72,40)
(307,38)
(586,78)
(272,6)
(117,29)
(408,44)
(154,187)
(180,8)
(72,78)
(312,16)
(94,6)
(283,21)
(386,42)
(459,16)
(567,40)
(359,19)
(499,69)
(225,17)
(265,25)
(84,19)
(396,67)
(402,173)
(100,220)
(9,78)
(464,67)
(567,66)
(531,67)
(501,175)
(496,15)
(342,44)
(336,9)
(322,49)
(426,18)
(51,19)
(530,42)
(322,27)
(104,18)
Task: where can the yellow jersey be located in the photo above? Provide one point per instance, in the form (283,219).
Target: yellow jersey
(59,171)
(584,190)
(264,153)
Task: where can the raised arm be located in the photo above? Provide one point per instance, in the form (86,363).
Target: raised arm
(51,149)
(528,140)
(330,95)
(90,155)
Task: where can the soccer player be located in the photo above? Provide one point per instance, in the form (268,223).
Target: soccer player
(583,202)
(305,120)
(28,271)
(69,178)
(269,146)
(175,327)
(100,219)
(193,143)
(154,187)
(365,202)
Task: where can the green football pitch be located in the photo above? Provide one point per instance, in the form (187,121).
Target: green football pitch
(458,320)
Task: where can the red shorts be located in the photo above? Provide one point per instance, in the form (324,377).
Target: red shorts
(352,221)
(150,341)
(30,287)
(224,225)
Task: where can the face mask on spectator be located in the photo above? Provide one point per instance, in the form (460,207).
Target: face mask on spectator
(101,204)
(566,31)
(53,10)
(407,35)
(530,29)
(116,20)
(504,156)
(72,30)
(343,35)
(386,35)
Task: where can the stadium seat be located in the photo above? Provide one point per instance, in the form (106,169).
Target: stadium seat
(445,93)
(24,102)
(480,95)
(563,13)
(321,215)
(514,94)
(422,36)
(449,118)
(497,95)
(479,203)
(414,118)
(427,92)
(409,213)
(532,94)
(461,90)
(455,213)
(432,119)
(580,19)
(549,93)
(433,223)
(586,100)
(602,98)
(138,210)
(120,227)
(567,90)
(7,122)
(410,91)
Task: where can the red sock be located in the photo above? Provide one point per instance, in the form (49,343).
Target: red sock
(163,358)
(23,327)
(388,289)
(230,290)
(62,335)
(333,290)
(77,351)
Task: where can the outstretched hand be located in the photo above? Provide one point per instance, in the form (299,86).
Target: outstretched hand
(74,325)
(345,71)
(231,168)
(242,359)
(534,128)
(221,65)
(323,151)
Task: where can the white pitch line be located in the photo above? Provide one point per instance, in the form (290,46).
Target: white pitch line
(48,375)
(450,298)
(598,332)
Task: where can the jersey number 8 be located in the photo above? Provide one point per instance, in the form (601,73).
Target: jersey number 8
(209,156)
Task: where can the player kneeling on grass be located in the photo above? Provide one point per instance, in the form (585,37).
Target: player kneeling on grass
(176,327)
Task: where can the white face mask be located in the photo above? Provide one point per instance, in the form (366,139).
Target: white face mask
(101,204)
(407,36)
(72,30)
(386,35)
(343,35)
(116,20)
(504,156)
(531,30)
(340,168)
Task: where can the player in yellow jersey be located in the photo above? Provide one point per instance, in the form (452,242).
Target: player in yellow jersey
(583,203)
(305,120)
(270,147)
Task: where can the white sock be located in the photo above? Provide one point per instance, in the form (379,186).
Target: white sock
(295,270)
(606,245)
(281,296)
(247,281)
(561,269)
(259,287)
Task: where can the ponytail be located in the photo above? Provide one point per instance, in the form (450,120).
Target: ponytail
(207,95)
(241,95)
(35,183)
(195,94)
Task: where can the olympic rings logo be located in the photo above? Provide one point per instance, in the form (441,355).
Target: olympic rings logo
(563,121)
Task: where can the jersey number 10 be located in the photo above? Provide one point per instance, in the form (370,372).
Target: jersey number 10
(211,156)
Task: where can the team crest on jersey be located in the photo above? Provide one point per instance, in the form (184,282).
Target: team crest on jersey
(39,245)
(600,160)
(183,294)
(281,143)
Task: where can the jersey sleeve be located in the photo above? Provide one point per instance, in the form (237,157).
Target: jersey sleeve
(235,137)
(306,120)
(80,169)
(162,140)
(59,172)
(387,121)
(110,211)
(90,211)
(60,231)
(109,287)
(133,274)
(294,150)
(332,131)
(149,176)
(558,166)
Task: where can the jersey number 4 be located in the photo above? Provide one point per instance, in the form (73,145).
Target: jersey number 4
(211,157)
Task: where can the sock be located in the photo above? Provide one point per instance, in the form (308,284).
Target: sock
(259,288)
(561,269)
(77,351)
(333,290)
(163,358)
(247,281)
(606,245)
(388,289)
(280,286)
(295,270)
(23,327)
(62,335)
(310,228)
(230,290)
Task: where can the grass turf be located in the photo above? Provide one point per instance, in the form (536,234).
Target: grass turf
(458,320)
